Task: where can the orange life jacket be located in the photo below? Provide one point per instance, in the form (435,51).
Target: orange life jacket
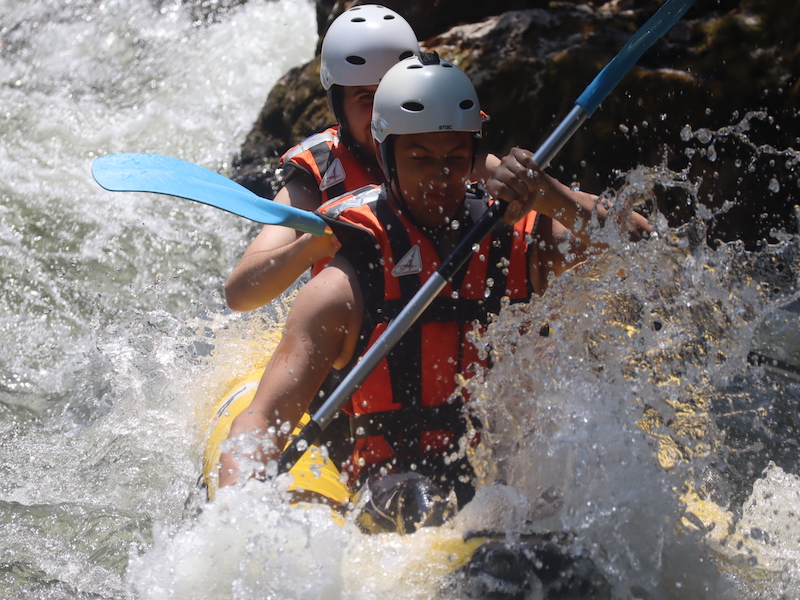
(332,165)
(408,407)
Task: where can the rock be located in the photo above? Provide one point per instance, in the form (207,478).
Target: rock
(295,108)
(530,60)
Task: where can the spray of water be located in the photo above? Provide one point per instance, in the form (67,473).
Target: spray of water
(102,316)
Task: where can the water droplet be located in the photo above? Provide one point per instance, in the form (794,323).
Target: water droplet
(703,135)
(774,186)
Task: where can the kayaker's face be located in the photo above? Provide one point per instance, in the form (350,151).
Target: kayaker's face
(433,170)
(357,106)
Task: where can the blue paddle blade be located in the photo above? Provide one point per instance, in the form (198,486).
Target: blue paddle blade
(158,174)
(614,71)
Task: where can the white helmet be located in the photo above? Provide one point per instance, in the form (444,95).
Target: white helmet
(422,96)
(362,44)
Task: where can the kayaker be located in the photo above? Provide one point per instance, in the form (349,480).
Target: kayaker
(359,47)
(407,417)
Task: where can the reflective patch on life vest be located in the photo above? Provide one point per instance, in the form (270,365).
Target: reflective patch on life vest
(310,142)
(364,195)
(335,174)
(410,264)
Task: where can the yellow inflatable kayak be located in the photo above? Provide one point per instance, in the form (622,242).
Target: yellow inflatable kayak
(316,479)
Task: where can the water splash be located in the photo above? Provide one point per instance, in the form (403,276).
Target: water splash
(601,423)
(102,316)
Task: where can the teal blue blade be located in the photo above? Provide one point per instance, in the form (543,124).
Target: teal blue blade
(661,22)
(158,174)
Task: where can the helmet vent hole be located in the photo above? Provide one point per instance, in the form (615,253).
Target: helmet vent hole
(467,104)
(388,17)
(357,20)
(406,54)
(413,106)
(447,65)
(354,59)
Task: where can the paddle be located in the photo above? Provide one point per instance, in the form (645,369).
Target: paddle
(585,106)
(138,172)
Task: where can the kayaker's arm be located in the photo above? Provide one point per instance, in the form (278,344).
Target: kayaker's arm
(564,214)
(278,255)
(321,333)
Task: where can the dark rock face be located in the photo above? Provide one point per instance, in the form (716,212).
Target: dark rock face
(530,60)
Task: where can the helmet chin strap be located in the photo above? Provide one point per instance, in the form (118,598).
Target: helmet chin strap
(435,233)
(335,96)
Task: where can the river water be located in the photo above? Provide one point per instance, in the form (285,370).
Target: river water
(116,343)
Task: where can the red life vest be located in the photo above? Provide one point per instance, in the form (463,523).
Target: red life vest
(332,165)
(409,408)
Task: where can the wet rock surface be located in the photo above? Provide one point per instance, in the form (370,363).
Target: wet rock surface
(717,96)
